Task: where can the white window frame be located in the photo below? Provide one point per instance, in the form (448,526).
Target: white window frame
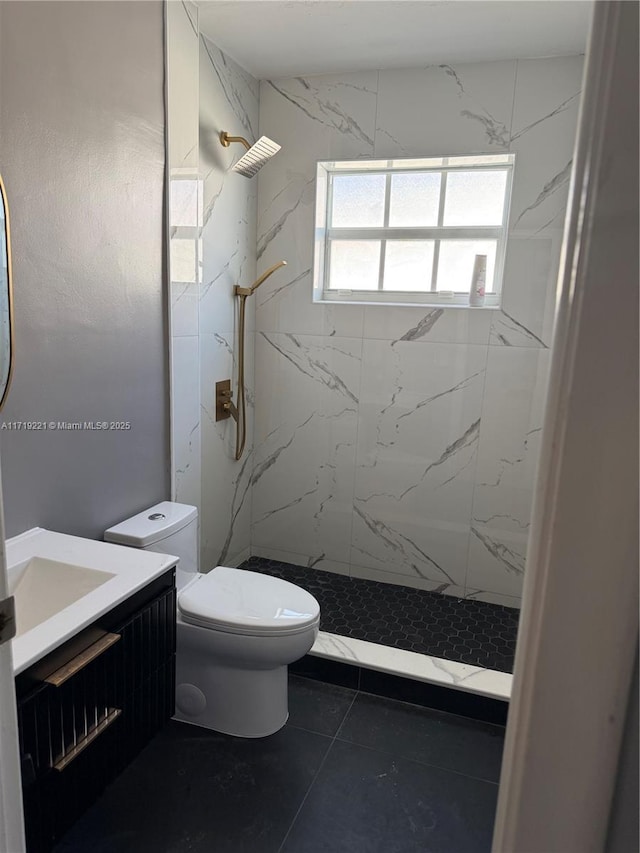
(325,234)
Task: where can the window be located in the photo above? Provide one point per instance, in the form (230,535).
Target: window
(408,231)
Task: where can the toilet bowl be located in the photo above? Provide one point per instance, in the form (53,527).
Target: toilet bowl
(237,631)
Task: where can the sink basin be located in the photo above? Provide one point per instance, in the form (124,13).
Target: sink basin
(42,588)
(63,584)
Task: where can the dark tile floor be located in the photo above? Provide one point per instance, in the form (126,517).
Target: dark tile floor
(459,629)
(349,773)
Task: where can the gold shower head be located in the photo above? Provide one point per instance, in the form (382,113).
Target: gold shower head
(257,155)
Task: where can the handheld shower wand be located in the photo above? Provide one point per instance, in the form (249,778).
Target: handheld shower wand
(238,409)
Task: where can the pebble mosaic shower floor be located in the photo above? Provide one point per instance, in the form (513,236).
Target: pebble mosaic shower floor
(458,629)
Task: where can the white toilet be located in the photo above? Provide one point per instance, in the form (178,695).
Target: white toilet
(237,630)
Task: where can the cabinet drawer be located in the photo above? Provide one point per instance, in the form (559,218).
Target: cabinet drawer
(87,714)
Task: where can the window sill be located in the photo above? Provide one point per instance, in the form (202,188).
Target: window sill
(370,304)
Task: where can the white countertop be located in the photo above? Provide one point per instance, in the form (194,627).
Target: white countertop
(133,569)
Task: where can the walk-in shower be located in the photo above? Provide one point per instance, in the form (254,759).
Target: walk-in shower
(383,455)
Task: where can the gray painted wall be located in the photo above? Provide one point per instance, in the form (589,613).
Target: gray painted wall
(82,155)
(624,830)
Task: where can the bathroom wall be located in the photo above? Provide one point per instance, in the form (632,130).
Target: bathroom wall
(400,443)
(82,155)
(229,99)
(185,268)
(208,93)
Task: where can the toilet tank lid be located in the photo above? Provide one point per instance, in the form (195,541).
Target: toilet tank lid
(152,525)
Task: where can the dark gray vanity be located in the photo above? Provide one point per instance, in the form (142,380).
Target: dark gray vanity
(87,708)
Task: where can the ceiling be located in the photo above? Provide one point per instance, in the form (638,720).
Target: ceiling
(285,38)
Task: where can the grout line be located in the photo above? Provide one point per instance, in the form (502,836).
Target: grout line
(467,568)
(472,722)
(428,710)
(354,478)
(375,119)
(309,731)
(393,755)
(339,729)
(425,709)
(513,106)
(417,761)
(304,799)
(318,771)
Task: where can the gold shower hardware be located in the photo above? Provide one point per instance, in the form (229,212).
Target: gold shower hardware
(224,404)
(238,410)
(226,140)
(247,291)
(256,155)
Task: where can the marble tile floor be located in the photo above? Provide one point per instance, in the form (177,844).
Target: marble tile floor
(416,620)
(349,773)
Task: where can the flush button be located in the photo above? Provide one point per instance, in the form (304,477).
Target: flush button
(157,515)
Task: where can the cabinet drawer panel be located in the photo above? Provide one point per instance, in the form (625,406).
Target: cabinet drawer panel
(76,737)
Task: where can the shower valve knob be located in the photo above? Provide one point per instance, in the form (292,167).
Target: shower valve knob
(224,406)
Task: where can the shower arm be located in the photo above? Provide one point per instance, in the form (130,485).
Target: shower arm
(226,140)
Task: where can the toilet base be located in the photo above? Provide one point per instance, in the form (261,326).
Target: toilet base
(235,684)
(243,703)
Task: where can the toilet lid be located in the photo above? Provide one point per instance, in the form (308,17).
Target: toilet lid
(244,602)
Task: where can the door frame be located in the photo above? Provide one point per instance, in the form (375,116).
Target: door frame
(579,627)
(12,838)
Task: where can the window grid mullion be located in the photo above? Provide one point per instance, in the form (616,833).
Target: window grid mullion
(418,233)
(434,265)
(446,168)
(327,242)
(385,224)
(436,245)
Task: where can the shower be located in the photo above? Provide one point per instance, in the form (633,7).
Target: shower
(248,166)
(237,410)
(255,158)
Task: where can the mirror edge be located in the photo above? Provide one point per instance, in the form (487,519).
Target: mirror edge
(3,194)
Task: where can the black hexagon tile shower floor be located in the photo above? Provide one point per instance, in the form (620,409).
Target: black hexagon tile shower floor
(459,629)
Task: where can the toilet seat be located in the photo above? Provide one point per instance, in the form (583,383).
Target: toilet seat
(237,601)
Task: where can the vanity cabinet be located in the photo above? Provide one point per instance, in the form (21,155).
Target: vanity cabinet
(89,707)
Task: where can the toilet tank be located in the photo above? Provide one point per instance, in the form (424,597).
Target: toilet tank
(168,528)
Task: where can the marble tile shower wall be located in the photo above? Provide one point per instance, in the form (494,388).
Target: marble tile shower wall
(400,443)
(213,247)
(229,100)
(184,234)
